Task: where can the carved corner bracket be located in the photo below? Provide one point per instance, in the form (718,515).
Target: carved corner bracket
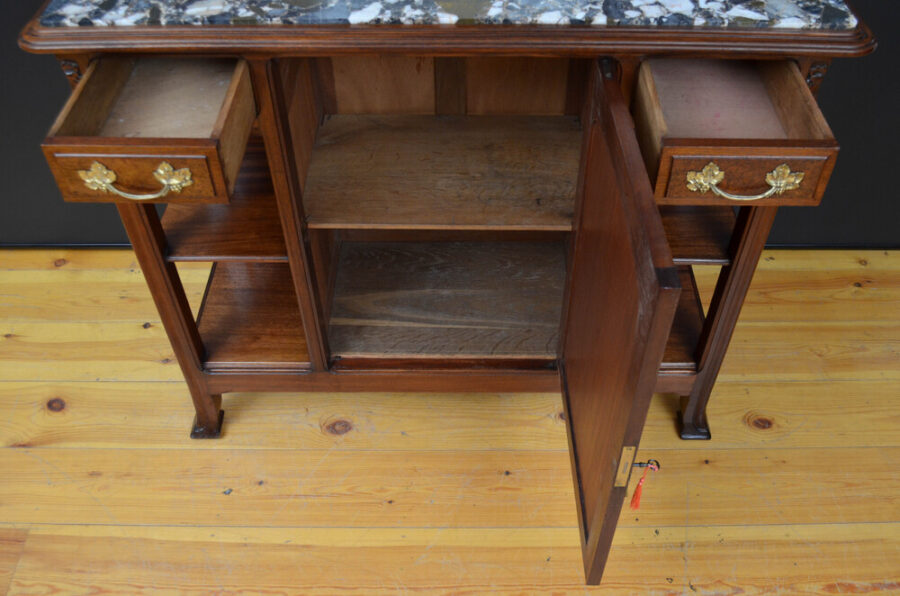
(72,70)
(815,75)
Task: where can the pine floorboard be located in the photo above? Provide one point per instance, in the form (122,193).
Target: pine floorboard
(102,491)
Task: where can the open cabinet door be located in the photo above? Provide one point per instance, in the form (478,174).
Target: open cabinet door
(623,290)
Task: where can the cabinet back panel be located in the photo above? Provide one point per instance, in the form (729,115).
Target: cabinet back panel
(424,85)
(383,84)
(516,85)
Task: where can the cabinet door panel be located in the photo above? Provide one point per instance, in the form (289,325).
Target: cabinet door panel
(622,298)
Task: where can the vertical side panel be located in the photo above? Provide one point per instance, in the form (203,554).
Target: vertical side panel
(622,298)
(288,147)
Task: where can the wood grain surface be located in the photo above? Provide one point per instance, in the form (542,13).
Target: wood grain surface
(698,235)
(457,172)
(438,561)
(250,320)
(796,493)
(247,229)
(441,299)
(12,541)
(383,84)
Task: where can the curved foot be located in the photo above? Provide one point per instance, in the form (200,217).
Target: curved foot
(692,432)
(202,432)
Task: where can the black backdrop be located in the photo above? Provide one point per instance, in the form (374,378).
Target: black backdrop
(859,98)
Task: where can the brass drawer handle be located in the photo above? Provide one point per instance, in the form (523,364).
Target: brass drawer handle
(779,180)
(99,177)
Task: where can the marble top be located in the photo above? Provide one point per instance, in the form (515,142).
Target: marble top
(779,14)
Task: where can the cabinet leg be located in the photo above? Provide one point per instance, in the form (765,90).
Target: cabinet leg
(149,244)
(692,418)
(208,421)
(749,239)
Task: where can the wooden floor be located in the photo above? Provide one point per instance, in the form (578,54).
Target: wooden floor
(101,491)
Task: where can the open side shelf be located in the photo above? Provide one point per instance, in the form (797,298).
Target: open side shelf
(250,322)
(449,300)
(681,348)
(247,229)
(699,235)
(444,172)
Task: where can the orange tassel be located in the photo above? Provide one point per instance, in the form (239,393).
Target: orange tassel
(636,498)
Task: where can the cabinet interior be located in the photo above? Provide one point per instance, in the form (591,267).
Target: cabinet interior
(439,195)
(442,299)
(434,237)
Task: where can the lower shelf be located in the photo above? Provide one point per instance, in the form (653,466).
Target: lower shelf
(250,321)
(467,304)
(448,300)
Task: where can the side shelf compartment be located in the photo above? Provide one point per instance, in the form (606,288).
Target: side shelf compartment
(699,234)
(153,129)
(247,229)
(731,132)
(249,320)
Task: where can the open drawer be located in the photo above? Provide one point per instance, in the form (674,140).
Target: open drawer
(153,129)
(727,131)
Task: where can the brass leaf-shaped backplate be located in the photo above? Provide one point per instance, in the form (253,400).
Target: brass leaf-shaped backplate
(705,179)
(783,179)
(98,177)
(174,179)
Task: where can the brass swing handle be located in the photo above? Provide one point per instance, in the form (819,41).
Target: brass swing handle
(99,177)
(780,179)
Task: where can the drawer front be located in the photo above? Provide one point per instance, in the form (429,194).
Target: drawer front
(758,176)
(87,176)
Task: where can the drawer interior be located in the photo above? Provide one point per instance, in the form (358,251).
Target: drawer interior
(705,99)
(130,115)
(150,98)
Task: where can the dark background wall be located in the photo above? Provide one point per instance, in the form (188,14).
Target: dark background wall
(859,98)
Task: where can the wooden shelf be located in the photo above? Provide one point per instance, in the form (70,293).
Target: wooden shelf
(444,172)
(699,235)
(397,300)
(250,321)
(247,229)
(686,328)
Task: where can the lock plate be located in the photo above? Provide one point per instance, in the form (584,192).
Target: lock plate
(625,463)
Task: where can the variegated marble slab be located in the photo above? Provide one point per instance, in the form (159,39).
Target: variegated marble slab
(780,14)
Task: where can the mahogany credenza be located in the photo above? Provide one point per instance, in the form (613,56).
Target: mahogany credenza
(473,196)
